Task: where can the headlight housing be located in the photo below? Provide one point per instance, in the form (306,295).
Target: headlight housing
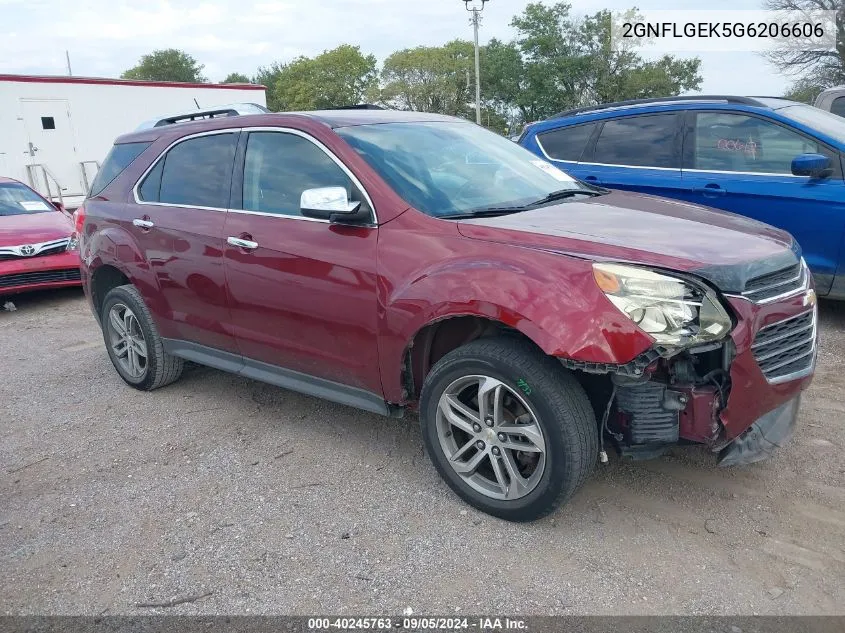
(673,311)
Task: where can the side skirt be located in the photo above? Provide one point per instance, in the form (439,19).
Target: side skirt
(281,377)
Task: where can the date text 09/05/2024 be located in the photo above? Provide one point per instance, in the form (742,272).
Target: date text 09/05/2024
(416,624)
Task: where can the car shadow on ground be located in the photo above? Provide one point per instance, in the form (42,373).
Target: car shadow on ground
(39,299)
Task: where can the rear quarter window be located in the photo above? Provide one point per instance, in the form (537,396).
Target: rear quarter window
(118,159)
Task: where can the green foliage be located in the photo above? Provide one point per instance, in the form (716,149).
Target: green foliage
(430,78)
(557,61)
(339,77)
(569,62)
(236,78)
(805,90)
(167,65)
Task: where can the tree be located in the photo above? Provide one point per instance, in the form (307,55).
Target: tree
(167,65)
(267,76)
(502,83)
(805,90)
(813,69)
(430,78)
(338,77)
(236,78)
(567,62)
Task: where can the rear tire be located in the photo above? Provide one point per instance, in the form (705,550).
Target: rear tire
(485,402)
(133,343)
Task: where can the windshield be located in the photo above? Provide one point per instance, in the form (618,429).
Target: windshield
(16,199)
(820,120)
(450,168)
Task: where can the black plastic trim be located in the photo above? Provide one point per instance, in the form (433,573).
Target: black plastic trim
(633,368)
(281,377)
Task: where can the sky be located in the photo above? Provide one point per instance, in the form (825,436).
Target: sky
(105,37)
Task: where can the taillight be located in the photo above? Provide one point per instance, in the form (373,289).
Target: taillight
(79,220)
(78,225)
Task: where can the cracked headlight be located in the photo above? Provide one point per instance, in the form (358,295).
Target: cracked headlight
(673,311)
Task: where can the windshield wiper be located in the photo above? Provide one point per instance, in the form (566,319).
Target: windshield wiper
(562,194)
(490,212)
(484,212)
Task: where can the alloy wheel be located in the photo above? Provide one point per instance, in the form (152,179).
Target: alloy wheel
(127,340)
(491,437)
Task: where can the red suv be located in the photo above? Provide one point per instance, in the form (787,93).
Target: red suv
(395,260)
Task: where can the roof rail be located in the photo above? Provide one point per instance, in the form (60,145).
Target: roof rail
(358,106)
(232,109)
(657,100)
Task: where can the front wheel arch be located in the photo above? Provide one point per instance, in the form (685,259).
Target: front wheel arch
(439,337)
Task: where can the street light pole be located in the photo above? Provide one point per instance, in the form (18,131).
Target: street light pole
(476,20)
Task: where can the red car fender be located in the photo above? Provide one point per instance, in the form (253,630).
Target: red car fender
(554,303)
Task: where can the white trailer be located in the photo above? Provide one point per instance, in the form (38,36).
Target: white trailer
(55,131)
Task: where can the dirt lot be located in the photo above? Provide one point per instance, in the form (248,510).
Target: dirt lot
(273,502)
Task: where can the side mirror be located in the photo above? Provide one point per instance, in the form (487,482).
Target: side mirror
(328,203)
(59,207)
(812,165)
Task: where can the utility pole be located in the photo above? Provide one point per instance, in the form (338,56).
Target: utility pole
(475,20)
(67,57)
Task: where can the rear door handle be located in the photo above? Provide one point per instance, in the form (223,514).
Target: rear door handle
(238,242)
(143,224)
(710,190)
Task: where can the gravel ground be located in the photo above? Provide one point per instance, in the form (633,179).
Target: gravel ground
(273,502)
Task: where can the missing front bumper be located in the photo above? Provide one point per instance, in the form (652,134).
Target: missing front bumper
(767,434)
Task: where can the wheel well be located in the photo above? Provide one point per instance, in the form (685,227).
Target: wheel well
(105,278)
(437,339)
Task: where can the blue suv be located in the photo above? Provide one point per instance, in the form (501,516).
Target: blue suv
(770,159)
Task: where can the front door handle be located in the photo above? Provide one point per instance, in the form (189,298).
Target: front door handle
(710,190)
(247,245)
(593,180)
(143,224)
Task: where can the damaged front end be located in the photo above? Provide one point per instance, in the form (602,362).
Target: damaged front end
(662,398)
(738,395)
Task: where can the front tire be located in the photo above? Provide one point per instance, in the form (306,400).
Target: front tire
(133,343)
(509,429)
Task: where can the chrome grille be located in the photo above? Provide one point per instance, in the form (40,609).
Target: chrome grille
(786,350)
(777,284)
(39,277)
(25,251)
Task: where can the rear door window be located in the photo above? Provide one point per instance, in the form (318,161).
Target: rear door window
(566,143)
(118,159)
(640,141)
(195,173)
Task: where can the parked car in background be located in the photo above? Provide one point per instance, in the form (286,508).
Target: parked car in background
(770,159)
(832,100)
(398,260)
(37,247)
